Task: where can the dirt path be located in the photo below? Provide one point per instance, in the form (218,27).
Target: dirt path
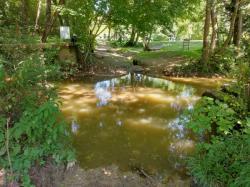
(114,61)
(161,65)
(108,62)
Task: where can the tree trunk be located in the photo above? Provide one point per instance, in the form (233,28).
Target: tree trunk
(205,52)
(38,13)
(146,41)
(235,4)
(60,18)
(88,51)
(25,11)
(50,19)
(47,21)
(238,29)
(137,38)
(109,34)
(132,38)
(214,28)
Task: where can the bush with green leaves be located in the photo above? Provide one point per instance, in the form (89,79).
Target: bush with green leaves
(221,115)
(246,47)
(116,43)
(224,162)
(223,63)
(32,128)
(209,114)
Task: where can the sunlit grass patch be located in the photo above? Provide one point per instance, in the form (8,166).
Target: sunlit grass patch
(168,54)
(165,49)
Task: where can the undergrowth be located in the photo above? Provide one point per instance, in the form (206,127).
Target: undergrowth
(223,124)
(32,129)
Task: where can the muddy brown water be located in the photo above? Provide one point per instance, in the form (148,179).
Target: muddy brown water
(132,122)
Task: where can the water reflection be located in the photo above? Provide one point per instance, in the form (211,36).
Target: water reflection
(104,89)
(74,127)
(103,93)
(132,121)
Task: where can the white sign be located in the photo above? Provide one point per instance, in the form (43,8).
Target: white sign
(64,33)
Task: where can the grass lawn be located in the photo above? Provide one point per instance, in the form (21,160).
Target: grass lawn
(171,49)
(167,49)
(177,45)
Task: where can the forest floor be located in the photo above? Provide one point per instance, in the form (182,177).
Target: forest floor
(119,61)
(109,176)
(168,61)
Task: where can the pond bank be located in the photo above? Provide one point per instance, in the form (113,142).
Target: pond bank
(110,61)
(147,140)
(106,177)
(109,64)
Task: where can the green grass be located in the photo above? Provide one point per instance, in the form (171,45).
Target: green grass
(10,37)
(195,54)
(172,49)
(167,49)
(176,46)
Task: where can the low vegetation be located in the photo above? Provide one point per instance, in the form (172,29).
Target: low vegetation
(32,129)
(222,123)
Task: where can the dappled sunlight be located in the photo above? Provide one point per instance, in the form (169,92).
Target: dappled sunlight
(124,93)
(124,97)
(85,110)
(146,122)
(76,98)
(66,96)
(206,82)
(117,55)
(154,97)
(182,146)
(68,108)
(123,118)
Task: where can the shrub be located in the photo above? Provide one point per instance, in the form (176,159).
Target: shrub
(221,115)
(223,63)
(209,114)
(31,125)
(224,162)
(224,159)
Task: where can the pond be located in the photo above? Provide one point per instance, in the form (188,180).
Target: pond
(132,121)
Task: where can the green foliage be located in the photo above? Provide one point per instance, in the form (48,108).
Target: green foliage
(209,113)
(159,37)
(227,64)
(2,76)
(117,43)
(50,54)
(166,54)
(224,162)
(223,63)
(30,120)
(246,46)
(36,136)
(243,76)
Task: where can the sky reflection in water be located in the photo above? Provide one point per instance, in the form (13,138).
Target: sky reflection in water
(131,121)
